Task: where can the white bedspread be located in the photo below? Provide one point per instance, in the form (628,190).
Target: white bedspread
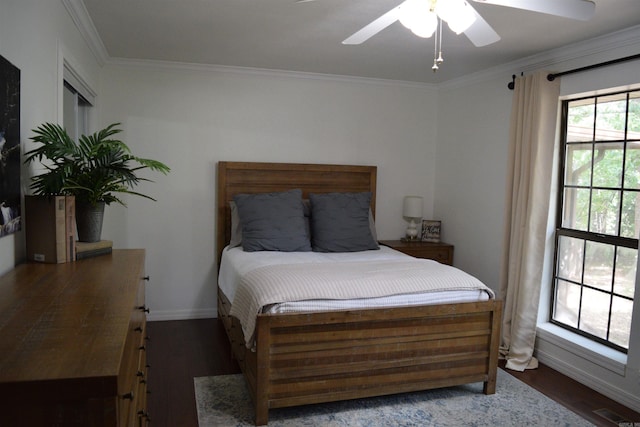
(386,275)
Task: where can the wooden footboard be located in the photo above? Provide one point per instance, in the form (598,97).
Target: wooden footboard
(328,356)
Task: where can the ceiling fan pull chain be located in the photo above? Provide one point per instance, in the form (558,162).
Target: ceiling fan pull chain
(440,60)
(435,48)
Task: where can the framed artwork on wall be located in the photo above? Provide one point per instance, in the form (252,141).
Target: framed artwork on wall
(430,230)
(9,148)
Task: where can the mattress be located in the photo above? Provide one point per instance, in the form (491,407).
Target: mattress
(237,266)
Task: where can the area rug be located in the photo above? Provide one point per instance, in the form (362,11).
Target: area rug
(224,401)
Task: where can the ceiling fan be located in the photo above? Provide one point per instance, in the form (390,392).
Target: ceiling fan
(463,18)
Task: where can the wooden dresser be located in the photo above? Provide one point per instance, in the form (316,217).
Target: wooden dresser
(72,343)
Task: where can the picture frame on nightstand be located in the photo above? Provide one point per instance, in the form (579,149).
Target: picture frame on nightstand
(431,230)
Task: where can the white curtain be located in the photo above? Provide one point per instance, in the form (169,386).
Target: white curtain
(531,152)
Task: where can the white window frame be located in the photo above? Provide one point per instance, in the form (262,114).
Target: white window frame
(594,82)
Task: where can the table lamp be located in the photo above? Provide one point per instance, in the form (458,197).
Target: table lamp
(412,212)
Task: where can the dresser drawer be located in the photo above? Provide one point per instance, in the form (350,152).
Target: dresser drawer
(127,382)
(142,416)
(142,372)
(133,377)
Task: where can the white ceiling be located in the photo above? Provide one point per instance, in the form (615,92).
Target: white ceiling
(306,36)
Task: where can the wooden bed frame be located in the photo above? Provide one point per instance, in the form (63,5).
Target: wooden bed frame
(327,356)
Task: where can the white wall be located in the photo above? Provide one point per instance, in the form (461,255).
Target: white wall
(191,118)
(469,200)
(33,34)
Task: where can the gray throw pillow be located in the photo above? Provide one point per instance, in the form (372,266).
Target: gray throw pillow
(273,222)
(236,227)
(340,222)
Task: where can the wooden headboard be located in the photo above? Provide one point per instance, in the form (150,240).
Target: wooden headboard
(250,178)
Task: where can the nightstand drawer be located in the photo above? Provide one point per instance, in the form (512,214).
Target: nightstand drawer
(438,251)
(442,255)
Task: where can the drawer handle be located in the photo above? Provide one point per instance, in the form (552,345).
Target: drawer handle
(144,414)
(138,329)
(143,308)
(146,278)
(139,374)
(128,396)
(142,348)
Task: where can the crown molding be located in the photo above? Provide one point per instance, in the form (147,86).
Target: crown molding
(264,72)
(80,17)
(607,47)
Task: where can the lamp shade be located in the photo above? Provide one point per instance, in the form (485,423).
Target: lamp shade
(412,207)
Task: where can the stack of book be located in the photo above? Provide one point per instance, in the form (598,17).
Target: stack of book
(50,228)
(91,249)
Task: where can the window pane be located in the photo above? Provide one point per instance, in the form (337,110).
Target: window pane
(570,252)
(83,116)
(567,303)
(76,112)
(607,165)
(598,265)
(580,120)
(632,166)
(604,212)
(611,117)
(594,313)
(630,220)
(620,321)
(576,209)
(625,277)
(633,122)
(578,168)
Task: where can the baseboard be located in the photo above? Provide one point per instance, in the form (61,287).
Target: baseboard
(203,313)
(589,380)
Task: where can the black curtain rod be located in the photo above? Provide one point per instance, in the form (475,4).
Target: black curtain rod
(552,77)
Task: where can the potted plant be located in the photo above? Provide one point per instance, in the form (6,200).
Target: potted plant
(94,169)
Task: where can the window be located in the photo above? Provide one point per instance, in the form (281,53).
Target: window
(76,112)
(77,99)
(598,218)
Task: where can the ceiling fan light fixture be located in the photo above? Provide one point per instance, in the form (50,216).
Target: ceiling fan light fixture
(412,11)
(426,26)
(421,16)
(457,13)
(446,9)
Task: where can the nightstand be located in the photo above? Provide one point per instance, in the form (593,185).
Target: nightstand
(438,251)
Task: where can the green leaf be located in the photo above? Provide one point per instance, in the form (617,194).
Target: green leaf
(92,169)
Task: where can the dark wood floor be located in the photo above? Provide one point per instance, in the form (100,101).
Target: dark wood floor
(184,349)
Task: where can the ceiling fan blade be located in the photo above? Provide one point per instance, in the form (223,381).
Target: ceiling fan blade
(374,27)
(581,10)
(480,32)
